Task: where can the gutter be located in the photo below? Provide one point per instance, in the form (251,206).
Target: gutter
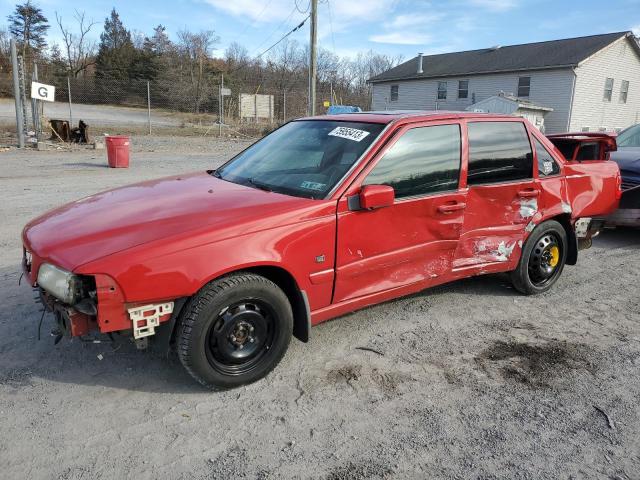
(467,74)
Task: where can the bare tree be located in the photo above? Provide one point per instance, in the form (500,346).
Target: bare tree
(5,62)
(236,55)
(196,47)
(80,49)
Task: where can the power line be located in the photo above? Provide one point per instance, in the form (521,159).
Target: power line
(306,10)
(284,22)
(333,40)
(255,20)
(298,27)
(285,36)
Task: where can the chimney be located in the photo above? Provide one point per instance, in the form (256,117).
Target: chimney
(420,71)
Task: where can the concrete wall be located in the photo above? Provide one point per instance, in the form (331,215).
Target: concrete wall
(619,61)
(550,88)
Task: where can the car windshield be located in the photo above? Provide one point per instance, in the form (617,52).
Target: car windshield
(304,158)
(630,137)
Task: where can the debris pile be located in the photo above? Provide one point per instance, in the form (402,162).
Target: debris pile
(61,130)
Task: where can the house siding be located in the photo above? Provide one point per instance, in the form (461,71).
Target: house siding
(550,88)
(619,61)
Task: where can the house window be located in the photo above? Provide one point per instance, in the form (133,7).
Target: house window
(394,93)
(442,90)
(524,86)
(586,129)
(463,89)
(624,91)
(608,89)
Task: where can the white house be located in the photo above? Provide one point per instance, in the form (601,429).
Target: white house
(591,83)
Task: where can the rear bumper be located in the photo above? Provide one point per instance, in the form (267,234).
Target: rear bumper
(624,217)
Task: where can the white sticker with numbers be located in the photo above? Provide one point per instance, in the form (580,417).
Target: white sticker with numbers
(348,133)
(313,186)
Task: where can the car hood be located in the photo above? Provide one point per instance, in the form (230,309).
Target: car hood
(115,220)
(628,159)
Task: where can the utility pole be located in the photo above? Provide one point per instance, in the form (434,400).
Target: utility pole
(16,94)
(313,58)
(69,97)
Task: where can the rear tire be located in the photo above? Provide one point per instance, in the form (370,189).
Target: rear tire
(542,260)
(234,331)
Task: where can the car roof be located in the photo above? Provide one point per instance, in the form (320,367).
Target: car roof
(390,116)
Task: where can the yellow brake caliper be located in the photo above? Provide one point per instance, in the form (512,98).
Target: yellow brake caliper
(555,256)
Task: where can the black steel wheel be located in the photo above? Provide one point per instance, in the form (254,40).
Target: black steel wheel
(543,258)
(241,335)
(234,331)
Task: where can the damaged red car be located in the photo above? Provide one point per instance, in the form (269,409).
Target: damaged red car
(323,216)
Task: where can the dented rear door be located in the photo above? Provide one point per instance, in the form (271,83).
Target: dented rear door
(502,197)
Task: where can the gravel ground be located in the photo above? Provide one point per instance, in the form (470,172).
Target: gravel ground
(468,380)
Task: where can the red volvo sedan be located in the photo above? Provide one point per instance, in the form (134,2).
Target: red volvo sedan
(323,216)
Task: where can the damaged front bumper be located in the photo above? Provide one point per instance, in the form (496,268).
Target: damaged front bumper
(98,307)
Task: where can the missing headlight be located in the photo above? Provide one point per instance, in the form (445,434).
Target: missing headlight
(64,285)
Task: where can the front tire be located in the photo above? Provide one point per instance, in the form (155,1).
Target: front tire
(234,331)
(542,260)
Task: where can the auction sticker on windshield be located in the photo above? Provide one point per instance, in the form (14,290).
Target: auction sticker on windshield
(313,186)
(349,133)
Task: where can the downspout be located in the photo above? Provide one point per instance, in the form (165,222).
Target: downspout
(573,96)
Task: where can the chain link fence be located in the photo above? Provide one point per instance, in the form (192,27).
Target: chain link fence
(171,107)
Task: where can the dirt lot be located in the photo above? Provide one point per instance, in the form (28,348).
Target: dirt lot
(469,380)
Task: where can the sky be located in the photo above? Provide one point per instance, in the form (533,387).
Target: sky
(346,27)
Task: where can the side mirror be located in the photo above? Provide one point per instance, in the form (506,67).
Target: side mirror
(376,196)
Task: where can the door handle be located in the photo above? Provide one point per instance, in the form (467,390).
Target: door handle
(529,193)
(452,207)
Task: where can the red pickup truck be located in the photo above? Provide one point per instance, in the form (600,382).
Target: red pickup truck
(323,216)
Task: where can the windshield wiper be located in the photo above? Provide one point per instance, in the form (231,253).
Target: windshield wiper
(260,185)
(215,173)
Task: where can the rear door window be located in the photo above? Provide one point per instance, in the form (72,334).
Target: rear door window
(499,152)
(424,160)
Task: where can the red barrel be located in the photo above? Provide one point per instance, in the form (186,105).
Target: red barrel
(117,150)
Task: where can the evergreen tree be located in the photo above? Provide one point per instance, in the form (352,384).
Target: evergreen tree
(159,42)
(29,26)
(152,58)
(58,67)
(116,54)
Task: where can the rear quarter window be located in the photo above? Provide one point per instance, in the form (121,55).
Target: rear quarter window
(499,152)
(547,166)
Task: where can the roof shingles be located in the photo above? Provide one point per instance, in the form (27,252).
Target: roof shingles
(531,56)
